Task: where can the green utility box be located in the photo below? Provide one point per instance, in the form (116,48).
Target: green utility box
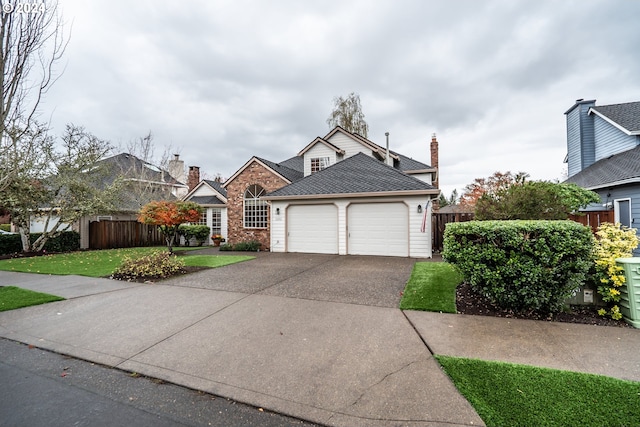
(630,291)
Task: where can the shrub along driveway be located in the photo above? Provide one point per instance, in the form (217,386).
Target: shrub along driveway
(373,281)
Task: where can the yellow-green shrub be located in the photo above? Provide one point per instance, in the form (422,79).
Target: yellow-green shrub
(612,241)
(156,265)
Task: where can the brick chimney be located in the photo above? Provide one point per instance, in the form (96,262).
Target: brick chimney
(194,177)
(434,160)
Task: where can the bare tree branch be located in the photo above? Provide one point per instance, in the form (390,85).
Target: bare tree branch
(32,41)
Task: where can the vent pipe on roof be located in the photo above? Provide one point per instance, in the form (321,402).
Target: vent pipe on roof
(386,159)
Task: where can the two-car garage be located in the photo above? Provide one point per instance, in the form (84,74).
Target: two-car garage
(369,228)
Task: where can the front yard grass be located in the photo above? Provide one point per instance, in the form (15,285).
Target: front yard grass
(102,263)
(506,394)
(431,287)
(12,297)
(213,261)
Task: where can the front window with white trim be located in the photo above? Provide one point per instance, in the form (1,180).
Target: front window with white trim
(319,163)
(255,209)
(216,221)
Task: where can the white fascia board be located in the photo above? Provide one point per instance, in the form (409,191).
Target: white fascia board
(611,122)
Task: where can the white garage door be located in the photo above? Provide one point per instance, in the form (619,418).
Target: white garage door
(378,229)
(312,229)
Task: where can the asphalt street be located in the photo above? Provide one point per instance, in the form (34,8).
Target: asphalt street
(41,388)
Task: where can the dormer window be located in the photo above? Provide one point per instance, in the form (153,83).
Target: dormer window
(319,163)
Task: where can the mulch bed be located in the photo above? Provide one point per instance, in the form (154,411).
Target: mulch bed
(470,302)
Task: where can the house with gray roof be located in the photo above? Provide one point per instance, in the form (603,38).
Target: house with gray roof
(213,198)
(341,194)
(603,144)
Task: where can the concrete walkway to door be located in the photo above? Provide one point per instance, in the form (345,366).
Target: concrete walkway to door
(318,337)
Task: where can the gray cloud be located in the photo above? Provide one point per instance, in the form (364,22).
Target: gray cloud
(225,80)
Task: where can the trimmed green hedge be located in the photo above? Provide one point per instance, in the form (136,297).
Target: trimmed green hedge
(67,241)
(524,266)
(248,246)
(10,244)
(197,232)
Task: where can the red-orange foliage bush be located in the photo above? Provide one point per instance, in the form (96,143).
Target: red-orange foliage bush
(168,215)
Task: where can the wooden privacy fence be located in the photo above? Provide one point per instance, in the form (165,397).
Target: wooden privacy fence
(123,234)
(440,220)
(593,219)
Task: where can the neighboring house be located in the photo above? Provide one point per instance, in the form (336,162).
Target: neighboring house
(213,198)
(143,182)
(603,145)
(341,194)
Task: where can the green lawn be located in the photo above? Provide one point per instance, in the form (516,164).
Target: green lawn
(214,261)
(432,287)
(12,297)
(506,394)
(102,263)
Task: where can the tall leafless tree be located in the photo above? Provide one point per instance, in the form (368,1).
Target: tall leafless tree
(347,113)
(32,42)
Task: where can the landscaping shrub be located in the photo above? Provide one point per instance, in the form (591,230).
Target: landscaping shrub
(10,244)
(67,241)
(524,266)
(249,246)
(612,241)
(5,227)
(197,232)
(156,265)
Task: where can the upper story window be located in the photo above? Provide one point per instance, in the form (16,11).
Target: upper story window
(255,209)
(319,163)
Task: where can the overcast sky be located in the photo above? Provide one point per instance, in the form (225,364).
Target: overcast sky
(221,81)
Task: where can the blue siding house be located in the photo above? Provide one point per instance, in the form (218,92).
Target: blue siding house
(603,144)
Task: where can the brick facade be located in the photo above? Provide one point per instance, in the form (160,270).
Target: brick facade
(254,173)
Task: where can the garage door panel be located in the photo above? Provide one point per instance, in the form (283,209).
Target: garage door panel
(312,229)
(378,229)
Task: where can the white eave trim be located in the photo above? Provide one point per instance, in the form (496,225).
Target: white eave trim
(634,180)
(417,171)
(200,184)
(611,122)
(254,158)
(434,192)
(158,183)
(321,141)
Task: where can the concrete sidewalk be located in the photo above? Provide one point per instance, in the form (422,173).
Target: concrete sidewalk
(332,363)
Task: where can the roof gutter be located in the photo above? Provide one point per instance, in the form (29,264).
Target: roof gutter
(433,191)
(634,180)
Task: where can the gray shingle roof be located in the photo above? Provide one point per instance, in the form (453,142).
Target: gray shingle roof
(217,186)
(408,164)
(206,200)
(357,174)
(296,163)
(626,115)
(129,166)
(619,167)
(290,174)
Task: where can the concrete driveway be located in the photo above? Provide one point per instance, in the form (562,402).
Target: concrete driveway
(364,280)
